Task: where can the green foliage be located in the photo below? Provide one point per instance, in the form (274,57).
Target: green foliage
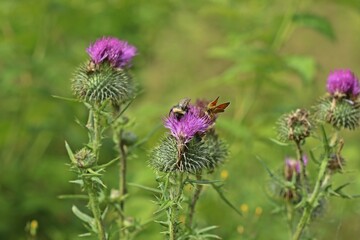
(249,52)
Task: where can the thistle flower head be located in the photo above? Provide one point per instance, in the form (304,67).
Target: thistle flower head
(343,83)
(191,123)
(118,53)
(192,145)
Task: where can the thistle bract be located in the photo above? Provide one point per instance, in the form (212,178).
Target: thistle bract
(199,155)
(340,113)
(102,83)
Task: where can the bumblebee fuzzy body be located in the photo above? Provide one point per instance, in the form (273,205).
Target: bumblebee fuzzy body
(181,108)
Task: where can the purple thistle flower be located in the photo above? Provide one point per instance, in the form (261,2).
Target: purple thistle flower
(190,124)
(118,53)
(343,82)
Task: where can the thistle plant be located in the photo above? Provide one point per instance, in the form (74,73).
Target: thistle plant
(105,86)
(340,110)
(186,153)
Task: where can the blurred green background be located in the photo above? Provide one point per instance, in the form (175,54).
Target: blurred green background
(266,57)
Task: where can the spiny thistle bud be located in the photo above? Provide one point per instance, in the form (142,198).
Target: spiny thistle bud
(85,158)
(295,126)
(105,76)
(341,108)
(192,145)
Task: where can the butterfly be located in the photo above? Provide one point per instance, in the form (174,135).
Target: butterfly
(212,108)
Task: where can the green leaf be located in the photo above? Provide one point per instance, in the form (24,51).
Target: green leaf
(325,141)
(70,153)
(164,206)
(65,98)
(316,22)
(79,181)
(304,66)
(145,187)
(278,142)
(222,197)
(203,181)
(313,157)
(83,216)
(98,180)
(206,229)
(75,196)
(105,165)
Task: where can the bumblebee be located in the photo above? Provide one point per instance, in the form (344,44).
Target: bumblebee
(181,108)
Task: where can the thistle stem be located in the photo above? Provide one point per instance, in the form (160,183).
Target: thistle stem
(193,202)
(122,182)
(300,154)
(96,138)
(176,190)
(95,142)
(95,208)
(314,198)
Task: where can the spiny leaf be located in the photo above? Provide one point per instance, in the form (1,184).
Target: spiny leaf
(278,142)
(313,157)
(70,153)
(79,181)
(203,181)
(65,98)
(145,187)
(75,196)
(98,180)
(83,216)
(105,165)
(222,197)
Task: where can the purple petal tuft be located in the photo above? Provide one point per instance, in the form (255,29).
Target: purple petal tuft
(118,53)
(343,82)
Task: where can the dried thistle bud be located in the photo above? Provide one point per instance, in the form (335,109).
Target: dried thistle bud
(335,163)
(85,158)
(295,126)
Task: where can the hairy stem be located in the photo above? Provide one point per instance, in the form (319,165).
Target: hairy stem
(193,202)
(300,155)
(96,135)
(175,194)
(122,182)
(95,208)
(314,198)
